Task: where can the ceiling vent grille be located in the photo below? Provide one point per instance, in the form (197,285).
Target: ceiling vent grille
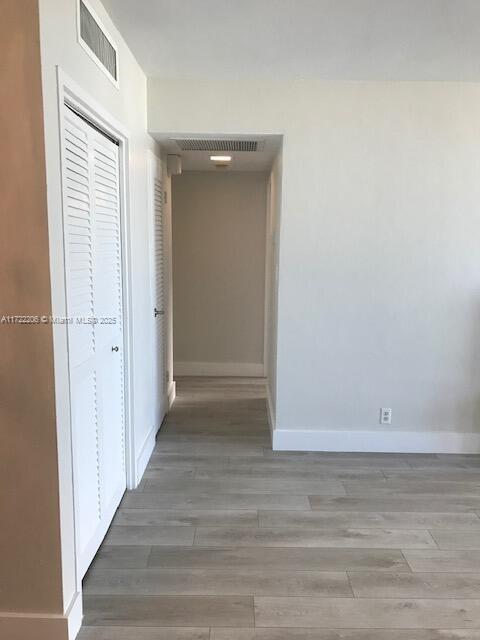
(96,42)
(198,144)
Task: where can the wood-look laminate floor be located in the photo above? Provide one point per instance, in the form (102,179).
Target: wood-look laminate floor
(227,540)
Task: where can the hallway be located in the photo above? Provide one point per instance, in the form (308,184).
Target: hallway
(226,540)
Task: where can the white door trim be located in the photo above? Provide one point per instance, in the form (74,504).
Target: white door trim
(71,94)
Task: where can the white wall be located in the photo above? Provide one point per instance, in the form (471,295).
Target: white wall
(379,270)
(219,272)
(127,105)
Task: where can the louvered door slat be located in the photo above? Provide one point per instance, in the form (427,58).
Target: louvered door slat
(108,305)
(94,302)
(158,290)
(79,247)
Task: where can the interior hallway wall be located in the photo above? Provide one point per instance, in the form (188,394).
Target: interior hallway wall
(219,236)
(30,557)
(379,265)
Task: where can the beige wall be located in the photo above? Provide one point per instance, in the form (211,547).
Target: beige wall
(29,530)
(219,271)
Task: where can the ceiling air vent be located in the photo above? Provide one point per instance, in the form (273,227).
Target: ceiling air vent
(200,144)
(96,42)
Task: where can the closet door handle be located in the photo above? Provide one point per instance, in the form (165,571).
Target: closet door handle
(158,312)
(114,348)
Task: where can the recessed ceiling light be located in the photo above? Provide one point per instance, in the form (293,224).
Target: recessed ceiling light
(220,158)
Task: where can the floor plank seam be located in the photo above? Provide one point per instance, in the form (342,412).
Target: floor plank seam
(223,533)
(434,539)
(350,584)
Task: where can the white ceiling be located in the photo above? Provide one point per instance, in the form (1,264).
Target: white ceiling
(241,161)
(329,39)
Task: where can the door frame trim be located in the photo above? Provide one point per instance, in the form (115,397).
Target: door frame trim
(73,95)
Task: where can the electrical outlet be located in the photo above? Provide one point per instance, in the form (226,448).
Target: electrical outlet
(385,415)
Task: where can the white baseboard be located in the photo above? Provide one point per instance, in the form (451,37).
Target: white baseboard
(236,369)
(43,626)
(145,453)
(172,392)
(376,441)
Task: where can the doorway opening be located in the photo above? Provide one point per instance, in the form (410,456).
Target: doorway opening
(224,218)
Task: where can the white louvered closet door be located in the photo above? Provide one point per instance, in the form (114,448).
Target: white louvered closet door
(157,250)
(94,291)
